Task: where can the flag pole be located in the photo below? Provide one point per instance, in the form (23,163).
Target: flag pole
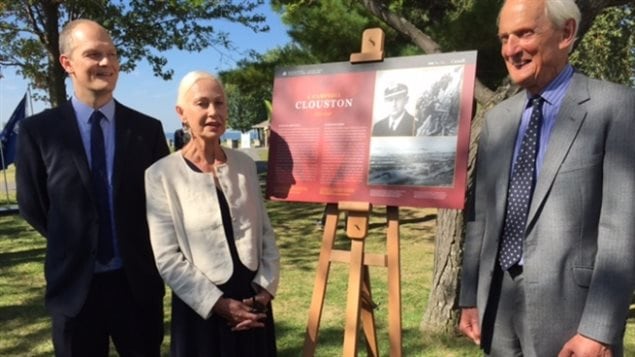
(30,101)
(4,171)
(8,136)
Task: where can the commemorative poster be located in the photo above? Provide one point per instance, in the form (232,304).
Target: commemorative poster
(390,133)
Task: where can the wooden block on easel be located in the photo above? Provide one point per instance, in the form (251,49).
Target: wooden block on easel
(372,46)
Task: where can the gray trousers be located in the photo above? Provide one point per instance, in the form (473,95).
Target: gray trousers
(510,335)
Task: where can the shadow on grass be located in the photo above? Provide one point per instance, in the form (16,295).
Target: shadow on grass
(293,220)
(13,227)
(414,342)
(27,325)
(24,320)
(329,339)
(25,256)
(402,221)
(26,343)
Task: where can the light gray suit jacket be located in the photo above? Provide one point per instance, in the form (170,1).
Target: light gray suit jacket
(579,253)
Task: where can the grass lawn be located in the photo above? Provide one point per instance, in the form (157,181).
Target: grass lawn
(7,186)
(26,327)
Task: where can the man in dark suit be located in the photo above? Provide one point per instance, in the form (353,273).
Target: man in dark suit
(179,139)
(80,182)
(548,267)
(399,122)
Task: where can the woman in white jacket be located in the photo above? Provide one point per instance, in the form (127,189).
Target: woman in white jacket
(212,239)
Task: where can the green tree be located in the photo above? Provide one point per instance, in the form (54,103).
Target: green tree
(330,30)
(245,108)
(249,86)
(607,51)
(29,33)
(321,31)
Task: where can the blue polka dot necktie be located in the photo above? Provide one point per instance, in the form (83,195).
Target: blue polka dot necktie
(99,173)
(520,190)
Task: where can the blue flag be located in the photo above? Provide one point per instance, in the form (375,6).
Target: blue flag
(9,135)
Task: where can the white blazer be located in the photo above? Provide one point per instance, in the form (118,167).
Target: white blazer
(186,228)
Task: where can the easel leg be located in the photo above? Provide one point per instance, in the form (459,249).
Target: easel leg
(394,281)
(368,315)
(353,300)
(321,278)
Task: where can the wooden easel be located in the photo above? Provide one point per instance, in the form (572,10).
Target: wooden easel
(359,305)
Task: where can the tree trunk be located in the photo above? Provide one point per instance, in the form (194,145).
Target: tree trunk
(56,74)
(57,87)
(440,315)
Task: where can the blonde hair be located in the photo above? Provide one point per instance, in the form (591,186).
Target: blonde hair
(188,81)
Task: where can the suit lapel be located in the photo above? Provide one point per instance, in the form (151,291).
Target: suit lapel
(504,133)
(74,140)
(565,130)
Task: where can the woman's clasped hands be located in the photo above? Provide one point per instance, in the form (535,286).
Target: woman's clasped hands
(246,314)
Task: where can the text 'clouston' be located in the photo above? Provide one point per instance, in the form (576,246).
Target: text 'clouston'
(323,104)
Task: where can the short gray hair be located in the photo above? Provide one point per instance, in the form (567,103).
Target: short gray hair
(559,11)
(188,81)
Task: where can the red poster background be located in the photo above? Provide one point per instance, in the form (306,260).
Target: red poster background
(321,148)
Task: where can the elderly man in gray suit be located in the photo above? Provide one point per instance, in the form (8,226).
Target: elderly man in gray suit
(549,259)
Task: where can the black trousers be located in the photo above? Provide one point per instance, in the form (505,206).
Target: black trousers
(110,312)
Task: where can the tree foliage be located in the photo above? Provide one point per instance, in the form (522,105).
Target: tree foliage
(321,31)
(141,30)
(608,49)
(250,85)
(330,30)
(324,31)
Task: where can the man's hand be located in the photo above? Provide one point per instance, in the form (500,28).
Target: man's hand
(469,324)
(580,346)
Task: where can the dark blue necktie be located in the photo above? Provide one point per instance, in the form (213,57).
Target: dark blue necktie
(520,191)
(99,171)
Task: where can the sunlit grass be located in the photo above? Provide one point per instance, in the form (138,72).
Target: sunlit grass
(25,325)
(7,186)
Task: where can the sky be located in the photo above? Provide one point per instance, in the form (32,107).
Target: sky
(152,95)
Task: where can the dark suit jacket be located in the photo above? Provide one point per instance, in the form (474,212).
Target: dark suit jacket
(406,127)
(55,196)
(579,270)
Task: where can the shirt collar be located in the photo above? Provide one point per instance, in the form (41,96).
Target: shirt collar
(555,89)
(84,111)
